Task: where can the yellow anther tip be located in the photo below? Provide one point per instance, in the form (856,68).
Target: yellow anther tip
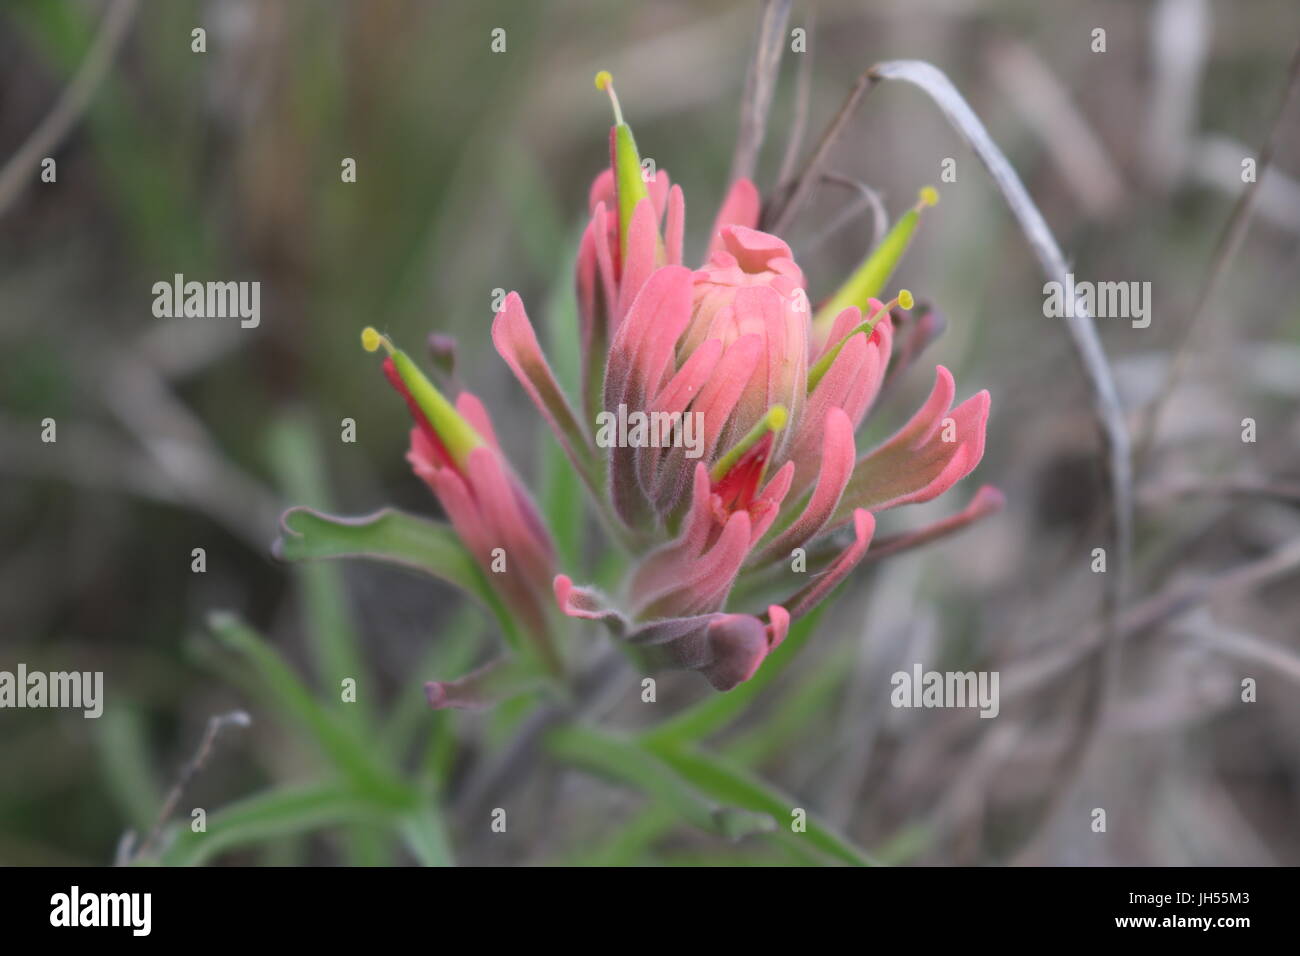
(929,196)
(370,339)
(777,416)
(905,299)
(603,79)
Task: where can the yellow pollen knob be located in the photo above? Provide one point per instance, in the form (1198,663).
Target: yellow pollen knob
(905,299)
(929,196)
(605,83)
(372,340)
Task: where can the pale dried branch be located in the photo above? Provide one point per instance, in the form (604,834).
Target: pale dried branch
(1225,250)
(790,196)
(50,132)
(1106,408)
(802,101)
(1161,608)
(1230,487)
(866,198)
(760,84)
(216,724)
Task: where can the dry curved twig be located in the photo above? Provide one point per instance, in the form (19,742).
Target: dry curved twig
(216,724)
(1106,407)
(760,84)
(1225,250)
(866,199)
(60,120)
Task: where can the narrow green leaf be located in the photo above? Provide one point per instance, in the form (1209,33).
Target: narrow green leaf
(723,781)
(283,691)
(396,538)
(536,216)
(300,468)
(425,836)
(123,754)
(630,842)
(365,844)
(267,816)
(387,535)
(625,760)
(798,707)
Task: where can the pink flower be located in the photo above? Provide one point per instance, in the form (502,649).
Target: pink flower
(454,449)
(778,392)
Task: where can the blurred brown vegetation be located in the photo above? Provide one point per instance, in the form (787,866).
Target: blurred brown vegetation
(473,170)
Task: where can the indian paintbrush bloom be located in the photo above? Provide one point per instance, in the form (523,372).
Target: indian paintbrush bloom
(779,388)
(454,449)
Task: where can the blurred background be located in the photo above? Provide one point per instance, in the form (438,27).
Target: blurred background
(472,174)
